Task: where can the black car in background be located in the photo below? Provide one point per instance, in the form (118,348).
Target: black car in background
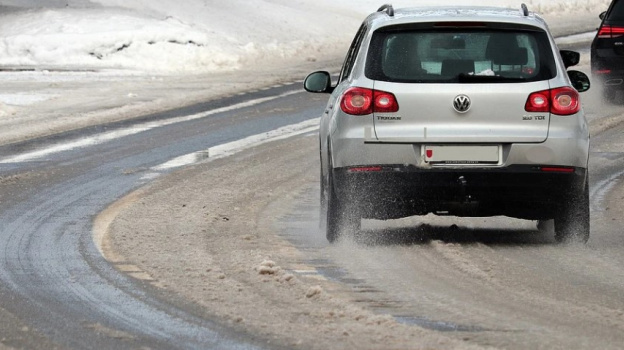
(607,50)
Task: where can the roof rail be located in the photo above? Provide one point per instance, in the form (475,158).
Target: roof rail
(525,10)
(388,8)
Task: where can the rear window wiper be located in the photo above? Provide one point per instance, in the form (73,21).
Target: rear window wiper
(473,78)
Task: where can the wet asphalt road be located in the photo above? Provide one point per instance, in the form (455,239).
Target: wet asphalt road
(55,288)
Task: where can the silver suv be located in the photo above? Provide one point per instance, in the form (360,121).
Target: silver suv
(463,111)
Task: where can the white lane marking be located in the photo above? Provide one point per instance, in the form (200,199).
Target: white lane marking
(109,136)
(230,148)
(85,142)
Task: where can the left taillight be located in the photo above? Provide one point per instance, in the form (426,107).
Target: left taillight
(560,101)
(608,31)
(362,101)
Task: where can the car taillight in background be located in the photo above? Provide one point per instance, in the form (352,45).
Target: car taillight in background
(601,71)
(361,101)
(561,101)
(608,32)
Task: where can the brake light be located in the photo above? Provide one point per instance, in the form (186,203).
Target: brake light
(460,24)
(361,101)
(357,101)
(608,32)
(604,32)
(384,102)
(566,101)
(538,102)
(560,101)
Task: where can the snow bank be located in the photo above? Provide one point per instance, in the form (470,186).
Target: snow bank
(109,38)
(5,110)
(163,36)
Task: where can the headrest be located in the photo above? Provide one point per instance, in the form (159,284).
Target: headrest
(503,49)
(453,67)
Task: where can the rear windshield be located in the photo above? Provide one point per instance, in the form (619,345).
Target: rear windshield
(460,55)
(617,12)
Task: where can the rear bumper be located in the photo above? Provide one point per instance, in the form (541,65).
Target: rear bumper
(608,69)
(567,145)
(610,79)
(523,191)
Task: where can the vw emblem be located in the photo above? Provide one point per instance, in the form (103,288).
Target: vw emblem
(461,103)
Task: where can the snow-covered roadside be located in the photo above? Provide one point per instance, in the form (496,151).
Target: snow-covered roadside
(162,37)
(96,84)
(35,104)
(159,38)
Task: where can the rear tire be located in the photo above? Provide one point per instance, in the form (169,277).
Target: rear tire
(323,208)
(342,218)
(572,224)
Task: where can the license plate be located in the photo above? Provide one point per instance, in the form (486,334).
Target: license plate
(462,155)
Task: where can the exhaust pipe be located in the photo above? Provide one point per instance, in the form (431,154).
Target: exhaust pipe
(613,82)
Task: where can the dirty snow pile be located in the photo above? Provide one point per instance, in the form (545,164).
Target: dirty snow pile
(198,36)
(5,110)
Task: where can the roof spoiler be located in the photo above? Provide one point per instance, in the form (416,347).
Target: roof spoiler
(388,8)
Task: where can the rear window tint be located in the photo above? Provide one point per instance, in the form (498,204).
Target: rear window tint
(617,12)
(454,55)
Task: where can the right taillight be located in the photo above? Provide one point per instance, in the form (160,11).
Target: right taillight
(607,31)
(560,101)
(362,101)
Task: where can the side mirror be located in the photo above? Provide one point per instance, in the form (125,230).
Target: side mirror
(570,58)
(579,80)
(318,82)
(602,15)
